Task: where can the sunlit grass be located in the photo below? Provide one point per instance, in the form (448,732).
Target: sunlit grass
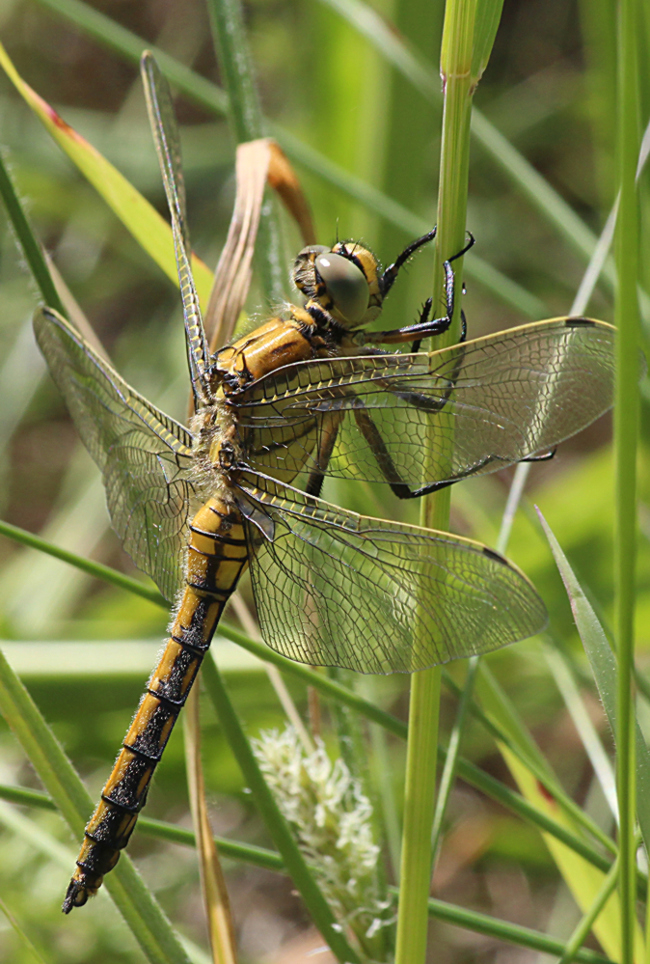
(348,114)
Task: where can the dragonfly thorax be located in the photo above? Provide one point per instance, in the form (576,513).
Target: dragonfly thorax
(279,341)
(216,450)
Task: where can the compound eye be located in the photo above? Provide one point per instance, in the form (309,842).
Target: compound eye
(346,284)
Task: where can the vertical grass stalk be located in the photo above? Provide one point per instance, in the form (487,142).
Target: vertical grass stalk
(626,418)
(419,800)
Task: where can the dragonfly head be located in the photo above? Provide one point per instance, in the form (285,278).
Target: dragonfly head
(343,280)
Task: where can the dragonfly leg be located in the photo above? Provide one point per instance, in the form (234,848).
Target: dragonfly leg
(326,442)
(390,274)
(425,327)
(388,468)
(437,486)
(441,325)
(383,457)
(475,470)
(435,403)
(431,330)
(544,457)
(390,471)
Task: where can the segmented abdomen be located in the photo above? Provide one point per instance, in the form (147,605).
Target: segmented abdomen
(216,558)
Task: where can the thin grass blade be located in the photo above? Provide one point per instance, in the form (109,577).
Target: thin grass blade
(583,878)
(137,905)
(275,822)
(247,124)
(28,242)
(148,228)
(213,884)
(603,666)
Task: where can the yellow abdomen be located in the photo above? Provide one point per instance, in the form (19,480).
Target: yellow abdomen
(215,560)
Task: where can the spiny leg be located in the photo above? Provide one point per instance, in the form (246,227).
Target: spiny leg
(387,466)
(382,456)
(425,327)
(390,274)
(327,440)
(389,470)
(450,299)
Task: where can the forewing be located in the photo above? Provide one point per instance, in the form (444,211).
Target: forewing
(168,147)
(481,405)
(337,589)
(144,455)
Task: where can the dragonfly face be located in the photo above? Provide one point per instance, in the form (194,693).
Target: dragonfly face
(343,280)
(346,282)
(303,397)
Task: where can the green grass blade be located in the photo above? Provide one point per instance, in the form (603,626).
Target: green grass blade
(390,44)
(137,905)
(148,228)
(34,954)
(247,124)
(584,927)
(538,191)
(249,853)
(568,685)
(505,931)
(605,671)
(546,201)
(228,31)
(583,877)
(97,569)
(467,771)
(538,768)
(212,98)
(465,694)
(598,29)
(275,822)
(420,784)
(626,429)
(450,768)
(36,836)
(127,44)
(333,690)
(488,16)
(268,859)
(27,240)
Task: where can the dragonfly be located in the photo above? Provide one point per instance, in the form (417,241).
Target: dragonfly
(306,396)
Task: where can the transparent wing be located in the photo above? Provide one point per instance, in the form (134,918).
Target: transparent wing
(168,148)
(334,588)
(144,455)
(498,399)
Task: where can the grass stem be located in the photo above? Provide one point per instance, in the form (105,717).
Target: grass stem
(626,422)
(419,796)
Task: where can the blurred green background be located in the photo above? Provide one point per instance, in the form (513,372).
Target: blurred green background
(84,649)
